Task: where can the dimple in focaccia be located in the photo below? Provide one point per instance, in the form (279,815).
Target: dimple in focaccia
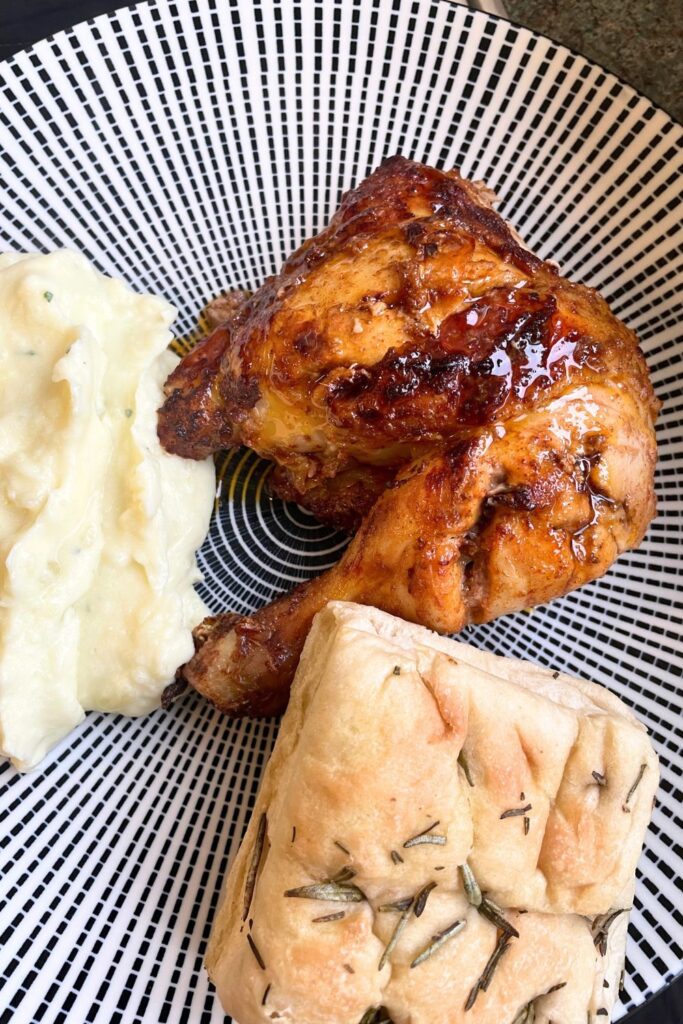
(484,427)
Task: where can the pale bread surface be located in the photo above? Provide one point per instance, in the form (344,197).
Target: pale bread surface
(367,757)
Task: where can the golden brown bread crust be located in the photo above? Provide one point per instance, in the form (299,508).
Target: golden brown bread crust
(421,378)
(383,718)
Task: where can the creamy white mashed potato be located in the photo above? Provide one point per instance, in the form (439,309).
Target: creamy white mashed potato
(98,524)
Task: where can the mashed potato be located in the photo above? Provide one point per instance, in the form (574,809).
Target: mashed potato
(98,525)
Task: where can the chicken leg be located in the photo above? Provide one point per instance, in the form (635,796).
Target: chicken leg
(483,425)
(496,524)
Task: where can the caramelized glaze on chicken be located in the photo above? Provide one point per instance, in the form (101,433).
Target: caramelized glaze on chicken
(482,425)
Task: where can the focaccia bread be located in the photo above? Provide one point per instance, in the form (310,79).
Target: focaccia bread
(442,836)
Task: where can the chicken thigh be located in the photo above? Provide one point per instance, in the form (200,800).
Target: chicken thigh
(483,426)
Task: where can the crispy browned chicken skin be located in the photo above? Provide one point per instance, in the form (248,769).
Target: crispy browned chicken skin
(419,377)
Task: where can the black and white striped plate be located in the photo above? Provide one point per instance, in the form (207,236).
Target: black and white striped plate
(188,146)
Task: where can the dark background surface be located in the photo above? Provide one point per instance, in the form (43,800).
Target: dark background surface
(640,40)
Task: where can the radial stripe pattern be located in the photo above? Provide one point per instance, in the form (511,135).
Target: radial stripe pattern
(188,146)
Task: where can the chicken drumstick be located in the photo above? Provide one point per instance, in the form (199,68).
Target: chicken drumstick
(484,426)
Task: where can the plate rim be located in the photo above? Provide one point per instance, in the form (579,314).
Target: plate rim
(676,982)
(475,12)
(556,42)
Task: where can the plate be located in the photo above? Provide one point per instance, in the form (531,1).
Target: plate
(189,146)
